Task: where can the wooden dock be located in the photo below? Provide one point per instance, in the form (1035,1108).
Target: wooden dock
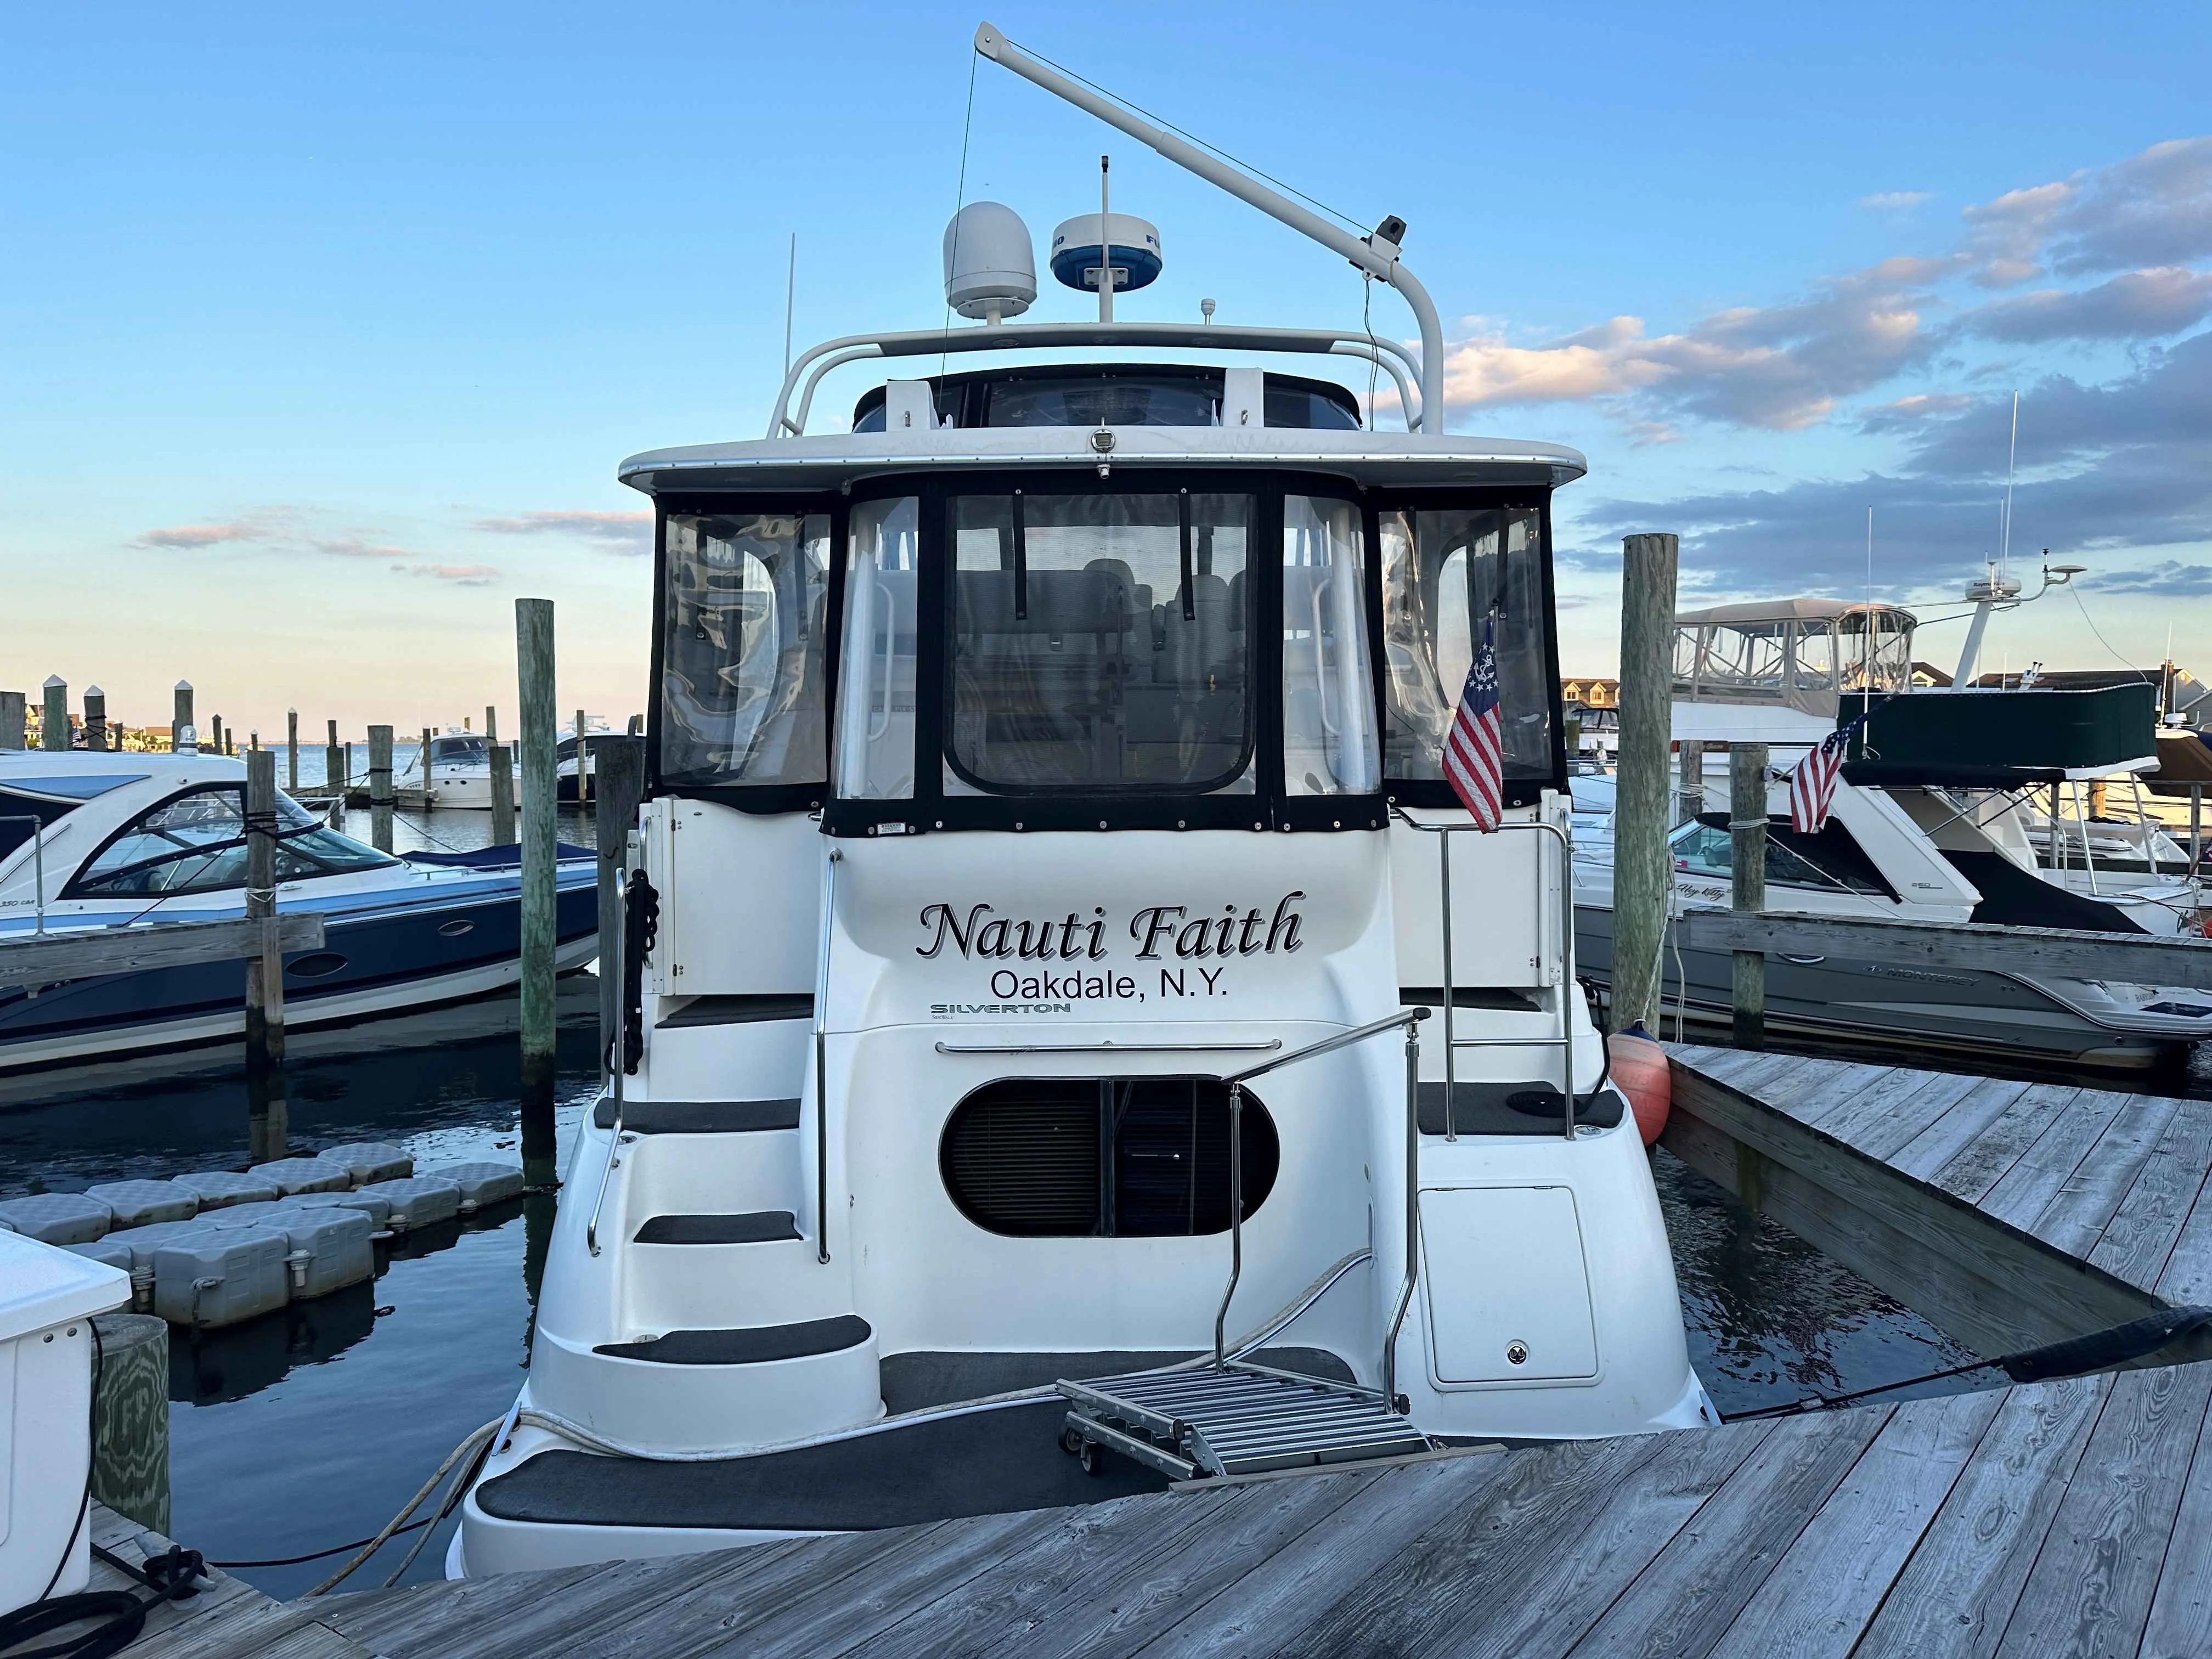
(2010,1214)
(2067,1518)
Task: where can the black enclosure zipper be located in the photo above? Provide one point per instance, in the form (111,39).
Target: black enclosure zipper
(1183,523)
(1021,563)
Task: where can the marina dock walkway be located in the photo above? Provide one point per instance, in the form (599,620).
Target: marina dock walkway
(2056,1518)
(2010,1213)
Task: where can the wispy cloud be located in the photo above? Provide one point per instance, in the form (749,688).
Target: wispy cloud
(1781,366)
(357,547)
(2138,305)
(618,532)
(463,575)
(187,536)
(1896,201)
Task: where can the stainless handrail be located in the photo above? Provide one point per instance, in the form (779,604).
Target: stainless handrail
(38,839)
(618,1057)
(1411,1019)
(1109,1048)
(1564,1041)
(821,1058)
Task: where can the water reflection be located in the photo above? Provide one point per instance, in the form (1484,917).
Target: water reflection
(1770,1319)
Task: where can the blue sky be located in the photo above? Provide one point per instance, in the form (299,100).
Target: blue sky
(321,334)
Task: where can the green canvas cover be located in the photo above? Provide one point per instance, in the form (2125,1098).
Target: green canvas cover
(1993,738)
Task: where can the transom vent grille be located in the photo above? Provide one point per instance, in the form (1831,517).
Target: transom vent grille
(1102,1157)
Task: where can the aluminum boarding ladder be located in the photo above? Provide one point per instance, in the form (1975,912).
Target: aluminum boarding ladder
(1238,1420)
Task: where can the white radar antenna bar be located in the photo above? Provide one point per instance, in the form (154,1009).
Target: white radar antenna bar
(1375,255)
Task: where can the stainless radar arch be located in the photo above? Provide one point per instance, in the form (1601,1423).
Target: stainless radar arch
(1376,254)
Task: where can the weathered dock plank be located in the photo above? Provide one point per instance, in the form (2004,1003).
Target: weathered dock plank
(2090,1589)
(1821,1594)
(1958,1588)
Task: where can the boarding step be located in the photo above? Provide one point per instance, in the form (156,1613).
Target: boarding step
(758,1227)
(738,1010)
(698,1117)
(754,1345)
(1239,1419)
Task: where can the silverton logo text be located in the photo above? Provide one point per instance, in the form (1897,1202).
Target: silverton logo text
(978,935)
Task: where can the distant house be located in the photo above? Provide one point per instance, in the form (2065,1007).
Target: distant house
(2180,692)
(1927,677)
(1591,693)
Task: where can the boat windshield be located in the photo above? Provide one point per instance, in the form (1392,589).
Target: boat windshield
(195,843)
(465,747)
(1099,644)
(744,608)
(1446,575)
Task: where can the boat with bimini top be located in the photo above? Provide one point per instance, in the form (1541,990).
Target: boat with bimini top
(1074,1038)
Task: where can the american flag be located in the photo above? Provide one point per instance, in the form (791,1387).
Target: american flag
(1813,782)
(1473,760)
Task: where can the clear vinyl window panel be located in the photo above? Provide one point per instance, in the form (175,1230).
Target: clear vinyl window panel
(1099,644)
(1330,740)
(742,679)
(876,676)
(195,843)
(1445,575)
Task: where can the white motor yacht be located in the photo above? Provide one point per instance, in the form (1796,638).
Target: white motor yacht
(1076,1041)
(1931,823)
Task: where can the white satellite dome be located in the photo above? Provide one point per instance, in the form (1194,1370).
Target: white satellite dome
(990,267)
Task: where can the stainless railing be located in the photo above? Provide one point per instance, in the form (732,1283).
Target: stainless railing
(1564,1041)
(37,866)
(821,1058)
(1408,1018)
(617,1057)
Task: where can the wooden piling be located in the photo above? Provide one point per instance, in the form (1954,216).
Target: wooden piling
(215,734)
(583,763)
(1690,786)
(292,751)
(502,795)
(183,736)
(619,764)
(491,724)
(334,764)
(53,714)
(130,1417)
(424,761)
(1641,818)
(265,971)
(533,642)
(1747,883)
(380,787)
(95,719)
(14,716)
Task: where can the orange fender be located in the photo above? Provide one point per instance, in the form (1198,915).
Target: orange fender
(1639,1067)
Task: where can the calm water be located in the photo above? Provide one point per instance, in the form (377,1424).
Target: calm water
(312,1427)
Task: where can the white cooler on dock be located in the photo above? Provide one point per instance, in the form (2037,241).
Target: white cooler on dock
(47,1298)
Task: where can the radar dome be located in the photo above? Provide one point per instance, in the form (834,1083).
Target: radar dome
(990,269)
(1135,245)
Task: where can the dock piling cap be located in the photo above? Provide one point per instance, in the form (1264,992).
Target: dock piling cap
(43,1285)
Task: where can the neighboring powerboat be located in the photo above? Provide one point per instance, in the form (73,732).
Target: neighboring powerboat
(1024,1095)
(1929,824)
(459,772)
(138,840)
